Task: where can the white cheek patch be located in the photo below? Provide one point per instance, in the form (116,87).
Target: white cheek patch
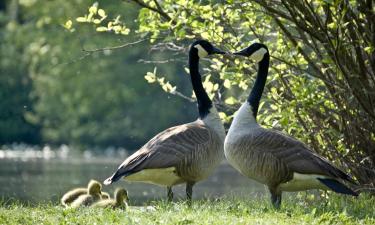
(258,55)
(201,51)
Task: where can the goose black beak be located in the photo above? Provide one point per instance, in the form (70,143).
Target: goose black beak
(242,52)
(218,51)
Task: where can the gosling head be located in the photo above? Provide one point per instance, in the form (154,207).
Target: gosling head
(105,195)
(121,195)
(256,52)
(94,187)
(204,48)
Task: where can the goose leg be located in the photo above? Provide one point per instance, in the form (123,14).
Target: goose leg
(275,198)
(189,190)
(169,193)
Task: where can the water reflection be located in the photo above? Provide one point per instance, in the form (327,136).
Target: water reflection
(39,179)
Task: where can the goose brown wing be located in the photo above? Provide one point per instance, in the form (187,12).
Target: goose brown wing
(167,149)
(294,154)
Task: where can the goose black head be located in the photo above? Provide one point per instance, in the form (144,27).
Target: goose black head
(256,52)
(205,48)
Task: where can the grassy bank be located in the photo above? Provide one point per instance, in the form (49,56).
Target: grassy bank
(300,210)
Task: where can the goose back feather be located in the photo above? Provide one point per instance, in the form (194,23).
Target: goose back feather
(272,157)
(189,151)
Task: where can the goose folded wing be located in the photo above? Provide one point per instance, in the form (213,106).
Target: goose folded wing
(168,148)
(297,156)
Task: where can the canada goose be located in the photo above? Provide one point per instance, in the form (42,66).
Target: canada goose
(72,195)
(271,157)
(121,200)
(93,194)
(186,153)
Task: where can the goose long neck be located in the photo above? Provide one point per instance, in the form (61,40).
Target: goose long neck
(204,102)
(256,92)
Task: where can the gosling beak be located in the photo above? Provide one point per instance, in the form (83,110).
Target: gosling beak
(218,51)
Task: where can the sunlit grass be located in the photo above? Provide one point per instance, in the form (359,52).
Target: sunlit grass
(229,210)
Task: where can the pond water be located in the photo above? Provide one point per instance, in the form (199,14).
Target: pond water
(40,179)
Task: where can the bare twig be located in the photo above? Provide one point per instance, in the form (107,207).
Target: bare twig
(157,10)
(114,47)
(179,94)
(162,61)
(361,189)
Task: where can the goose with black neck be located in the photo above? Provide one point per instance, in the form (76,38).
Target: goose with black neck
(273,158)
(186,153)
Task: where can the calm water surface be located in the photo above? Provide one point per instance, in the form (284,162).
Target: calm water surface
(40,180)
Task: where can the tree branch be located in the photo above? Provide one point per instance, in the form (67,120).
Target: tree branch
(158,9)
(114,47)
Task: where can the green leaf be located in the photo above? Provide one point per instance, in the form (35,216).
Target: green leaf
(227,84)
(125,31)
(101,29)
(97,21)
(332,25)
(117,29)
(230,101)
(101,13)
(205,35)
(369,49)
(93,9)
(150,77)
(68,24)
(81,19)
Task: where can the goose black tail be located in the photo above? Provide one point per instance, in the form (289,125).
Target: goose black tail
(336,186)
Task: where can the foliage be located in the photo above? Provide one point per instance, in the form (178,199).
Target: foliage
(55,88)
(338,210)
(15,88)
(321,81)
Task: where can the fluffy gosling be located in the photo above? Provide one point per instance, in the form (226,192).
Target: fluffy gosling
(73,194)
(94,194)
(105,195)
(120,201)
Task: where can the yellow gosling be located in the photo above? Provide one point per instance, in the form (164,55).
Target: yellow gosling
(120,201)
(105,195)
(94,194)
(73,194)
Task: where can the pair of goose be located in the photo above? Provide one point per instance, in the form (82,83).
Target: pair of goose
(190,152)
(93,196)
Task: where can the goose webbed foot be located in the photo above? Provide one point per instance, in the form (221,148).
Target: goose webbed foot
(169,193)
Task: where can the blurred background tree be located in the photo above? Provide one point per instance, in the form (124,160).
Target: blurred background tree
(51,91)
(84,84)
(15,85)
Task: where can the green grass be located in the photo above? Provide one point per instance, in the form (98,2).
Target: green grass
(230,210)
